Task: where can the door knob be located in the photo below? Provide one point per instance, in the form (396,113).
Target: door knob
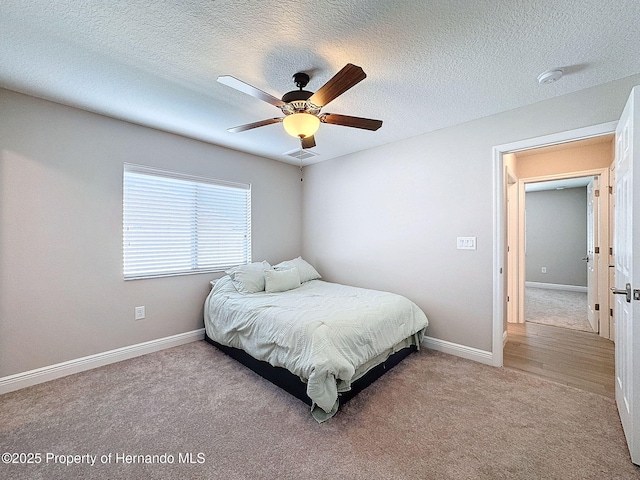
(626,292)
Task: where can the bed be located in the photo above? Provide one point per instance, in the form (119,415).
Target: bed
(321,341)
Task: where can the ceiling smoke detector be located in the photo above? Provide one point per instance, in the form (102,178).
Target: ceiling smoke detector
(549,76)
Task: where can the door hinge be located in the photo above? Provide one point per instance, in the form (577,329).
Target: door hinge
(596,193)
(596,250)
(597,307)
(611,312)
(507,298)
(610,190)
(610,250)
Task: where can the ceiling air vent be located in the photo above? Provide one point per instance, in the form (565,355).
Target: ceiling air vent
(299,154)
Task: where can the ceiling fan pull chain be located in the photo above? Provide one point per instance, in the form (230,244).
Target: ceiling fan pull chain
(300,157)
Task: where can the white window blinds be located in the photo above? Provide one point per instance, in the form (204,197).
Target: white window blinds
(175,224)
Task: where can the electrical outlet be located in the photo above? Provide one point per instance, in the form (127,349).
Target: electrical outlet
(544,269)
(139,313)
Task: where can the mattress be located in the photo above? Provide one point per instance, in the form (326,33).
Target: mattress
(325,333)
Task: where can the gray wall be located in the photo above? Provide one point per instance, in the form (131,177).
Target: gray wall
(62,295)
(388,217)
(556,236)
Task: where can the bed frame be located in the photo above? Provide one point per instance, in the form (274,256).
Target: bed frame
(291,383)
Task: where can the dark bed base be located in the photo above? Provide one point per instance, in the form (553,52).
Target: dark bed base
(291,383)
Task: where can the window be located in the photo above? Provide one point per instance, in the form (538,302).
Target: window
(175,224)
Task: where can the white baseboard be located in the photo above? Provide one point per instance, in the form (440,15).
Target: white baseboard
(556,286)
(470,353)
(44,374)
(504,338)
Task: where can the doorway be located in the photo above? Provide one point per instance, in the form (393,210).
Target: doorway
(561,240)
(503,166)
(624,263)
(557,245)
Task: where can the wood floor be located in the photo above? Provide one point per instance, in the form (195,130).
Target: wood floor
(580,359)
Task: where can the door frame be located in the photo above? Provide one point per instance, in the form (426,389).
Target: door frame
(603,233)
(512,226)
(599,236)
(499,217)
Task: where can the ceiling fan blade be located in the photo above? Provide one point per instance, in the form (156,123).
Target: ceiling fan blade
(308,142)
(342,81)
(249,126)
(233,82)
(347,121)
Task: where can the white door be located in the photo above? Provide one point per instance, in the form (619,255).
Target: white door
(626,249)
(591,257)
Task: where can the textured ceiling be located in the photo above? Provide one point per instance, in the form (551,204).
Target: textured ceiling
(430,63)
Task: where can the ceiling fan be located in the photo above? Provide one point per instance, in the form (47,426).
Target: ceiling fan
(301,108)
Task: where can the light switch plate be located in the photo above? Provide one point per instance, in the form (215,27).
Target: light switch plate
(466,243)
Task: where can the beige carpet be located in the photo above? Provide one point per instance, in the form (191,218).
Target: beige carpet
(559,308)
(434,416)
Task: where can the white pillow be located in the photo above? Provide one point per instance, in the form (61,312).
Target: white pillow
(281,280)
(307,272)
(249,278)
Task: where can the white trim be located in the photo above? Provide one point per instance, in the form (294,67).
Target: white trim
(51,372)
(498,258)
(556,286)
(499,220)
(558,138)
(561,176)
(470,353)
(158,172)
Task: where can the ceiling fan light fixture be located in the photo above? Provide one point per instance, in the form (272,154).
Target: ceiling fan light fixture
(301,108)
(301,125)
